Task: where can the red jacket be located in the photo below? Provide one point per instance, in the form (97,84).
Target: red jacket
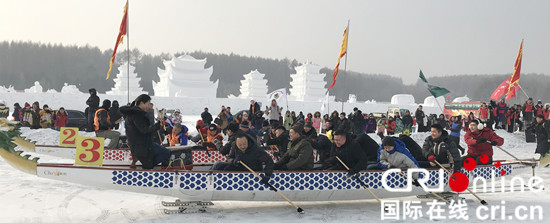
(546,113)
(61,119)
(528,107)
(484,112)
(476,149)
(390,127)
(539,110)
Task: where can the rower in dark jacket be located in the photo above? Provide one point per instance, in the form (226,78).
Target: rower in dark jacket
(139,131)
(349,151)
(542,131)
(439,147)
(280,142)
(247,151)
(369,146)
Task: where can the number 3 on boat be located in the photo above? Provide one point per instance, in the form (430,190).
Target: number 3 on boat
(89,151)
(67,136)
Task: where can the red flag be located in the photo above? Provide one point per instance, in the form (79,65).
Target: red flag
(343,51)
(501,90)
(121,34)
(513,86)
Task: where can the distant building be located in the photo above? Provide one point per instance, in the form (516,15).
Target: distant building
(121,82)
(254,85)
(307,83)
(185,76)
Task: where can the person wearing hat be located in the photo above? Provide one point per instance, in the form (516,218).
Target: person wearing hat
(61,118)
(103,124)
(542,131)
(232,130)
(279,142)
(17,113)
(35,115)
(480,141)
(245,127)
(407,122)
(46,117)
(175,118)
(179,135)
(370,124)
(93,105)
(393,154)
(4,110)
(299,154)
(213,140)
(26,115)
(539,108)
(263,133)
(527,109)
(309,131)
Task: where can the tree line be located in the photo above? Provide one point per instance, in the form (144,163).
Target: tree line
(23,63)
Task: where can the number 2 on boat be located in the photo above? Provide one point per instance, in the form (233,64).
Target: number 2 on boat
(89,151)
(67,136)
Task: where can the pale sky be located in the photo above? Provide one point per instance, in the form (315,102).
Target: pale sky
(388,37)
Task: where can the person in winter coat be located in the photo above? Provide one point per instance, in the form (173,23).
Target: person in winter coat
(316,121)
(288,122)
(309,116)
(26,115)
(415,150)
(103,124)
(46,117)
(4,110)
(538,108)
(393,154)
(390,126)
(484,113)
(254,108)
(542,131)
(206,116)
(438,147)
(407,122)
(510,119)
(213,140)
(493,116)
(176,118)
(349,151)
(140,133)
(546,111)
(115,114)
(370,124)
(419,116)
(93,105)
(528,109)
(299,154)
(17,113)
(248,152)
(279,143)
(468,119)
(443,122)
(455,128)
(178,136)
(35,113)
(335,118)
(480,140)
(381,126)
(61,118)
(358,122)
(502,108)
(344,123)
(273,112)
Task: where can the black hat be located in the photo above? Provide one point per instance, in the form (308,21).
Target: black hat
(309,124)
(388,141)
(213,127)
(355,109)
(265,123)
(298,129)
(234,127)
(106,103)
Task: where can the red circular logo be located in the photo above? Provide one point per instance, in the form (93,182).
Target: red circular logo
(459,182)
(469,163)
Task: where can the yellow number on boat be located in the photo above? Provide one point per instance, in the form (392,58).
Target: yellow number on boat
(89,151)
(67,136)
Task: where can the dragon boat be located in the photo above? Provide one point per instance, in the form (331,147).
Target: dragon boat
(203,186)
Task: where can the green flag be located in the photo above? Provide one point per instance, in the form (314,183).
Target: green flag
(435,90)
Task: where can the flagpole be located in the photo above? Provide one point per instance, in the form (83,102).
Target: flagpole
(128,45)
(346,60)
(523,91)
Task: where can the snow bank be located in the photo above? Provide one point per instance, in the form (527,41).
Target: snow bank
(402,99)
(70,89)
(37,88)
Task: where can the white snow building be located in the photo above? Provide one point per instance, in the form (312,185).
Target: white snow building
(254,85)
(307,83)
(121,82)
(70,89)
(185,76)
(402,99)
(37,88)
(431,102)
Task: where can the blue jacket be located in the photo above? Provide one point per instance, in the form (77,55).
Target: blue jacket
(399,157)
(455,129)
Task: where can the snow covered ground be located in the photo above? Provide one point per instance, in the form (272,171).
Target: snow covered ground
(27,198)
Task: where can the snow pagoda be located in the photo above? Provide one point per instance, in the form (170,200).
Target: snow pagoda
(121,82)
(307,83)
(185,76)
(254,85)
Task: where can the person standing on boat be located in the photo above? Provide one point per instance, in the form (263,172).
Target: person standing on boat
(140,133)
(480,140)
(439,147)
(247,151)
(349,151)
(542,130)
(299,154)
(393,154)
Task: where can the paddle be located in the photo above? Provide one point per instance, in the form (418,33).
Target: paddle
(299,209)
(359,180)
(471,192)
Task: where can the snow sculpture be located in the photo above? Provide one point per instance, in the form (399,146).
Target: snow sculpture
(307,83)
(254,85)
(462,99)
(402,99)
(352,98)
(70,89)
(37,88)
(121,82)
(185,76)
(9,89)
(430,101)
